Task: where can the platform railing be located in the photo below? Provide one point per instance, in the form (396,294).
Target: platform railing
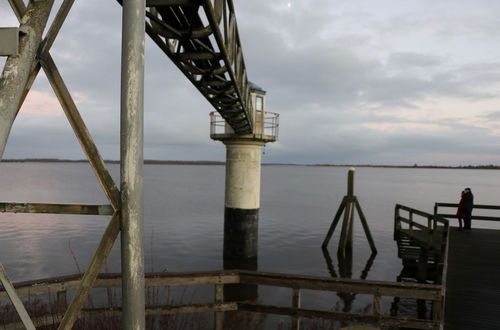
(477,207)
(421,227)
(269,130)
(62,286)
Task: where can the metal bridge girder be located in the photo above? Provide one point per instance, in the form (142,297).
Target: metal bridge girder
(209,55)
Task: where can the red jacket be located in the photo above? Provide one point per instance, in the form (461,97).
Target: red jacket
(460,211)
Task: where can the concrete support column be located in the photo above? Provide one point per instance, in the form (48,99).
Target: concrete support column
(242,198)
(131,171)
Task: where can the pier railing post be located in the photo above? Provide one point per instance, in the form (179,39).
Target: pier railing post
(131,169)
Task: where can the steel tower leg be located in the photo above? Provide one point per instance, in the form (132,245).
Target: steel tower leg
(131,171)
(17,69)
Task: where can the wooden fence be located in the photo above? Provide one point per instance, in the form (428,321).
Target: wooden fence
(430,231)
(60,286)
(477,207)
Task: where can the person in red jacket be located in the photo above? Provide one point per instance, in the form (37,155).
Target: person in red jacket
(467,206)
(460,211)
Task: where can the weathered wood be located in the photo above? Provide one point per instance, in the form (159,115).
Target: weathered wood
(296,282)
(405,290)
(53,318)
(219,300)
(18,305)
(40,321)
(476,206)
(340,316)
(348,204)
(81,131)
(365,226)
(61,301)
(296,305)
(472,281)
(113,280)
(473,217)
(376,304)
(56,208)
(335,222)
(90,275)
(345,235)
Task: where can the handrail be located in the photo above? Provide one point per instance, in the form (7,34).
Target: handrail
(429,228)
(269,128)
(473,217)
(296,283)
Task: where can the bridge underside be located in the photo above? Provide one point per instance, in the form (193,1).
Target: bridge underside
(201,38)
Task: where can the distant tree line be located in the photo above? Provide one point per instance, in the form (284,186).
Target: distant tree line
(208,162)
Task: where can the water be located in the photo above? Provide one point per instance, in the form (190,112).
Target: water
(184,207)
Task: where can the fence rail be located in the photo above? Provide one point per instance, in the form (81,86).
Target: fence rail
(219,279)
(431,234)
(473,217)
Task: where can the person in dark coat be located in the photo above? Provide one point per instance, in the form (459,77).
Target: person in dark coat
(467,206)
(460,212)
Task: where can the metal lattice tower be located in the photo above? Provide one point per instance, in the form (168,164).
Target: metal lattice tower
(201,38)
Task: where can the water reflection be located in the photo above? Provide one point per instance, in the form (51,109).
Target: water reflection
(345,271)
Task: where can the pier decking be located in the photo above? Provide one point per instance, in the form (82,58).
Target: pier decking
(473,280)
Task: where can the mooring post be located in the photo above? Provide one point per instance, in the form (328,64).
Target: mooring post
(346,236)
(347,206)
(131,169)
(350,196)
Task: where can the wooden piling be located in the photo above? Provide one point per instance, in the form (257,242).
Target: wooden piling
(348,205)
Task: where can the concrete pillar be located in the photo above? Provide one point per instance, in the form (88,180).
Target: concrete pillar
(242,198)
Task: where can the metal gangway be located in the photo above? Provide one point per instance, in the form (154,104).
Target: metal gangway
(200,37)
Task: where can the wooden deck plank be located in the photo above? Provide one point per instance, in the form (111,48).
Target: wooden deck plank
(473,281)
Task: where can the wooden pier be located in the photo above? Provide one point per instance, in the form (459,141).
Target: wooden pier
(473,280)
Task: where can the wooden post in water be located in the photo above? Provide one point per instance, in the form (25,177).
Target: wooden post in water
(348,204)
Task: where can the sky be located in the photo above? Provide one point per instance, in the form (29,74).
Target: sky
(355,82)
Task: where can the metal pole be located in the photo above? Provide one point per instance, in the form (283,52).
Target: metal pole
(131,152)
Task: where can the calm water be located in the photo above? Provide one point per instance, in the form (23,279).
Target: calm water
(184,207)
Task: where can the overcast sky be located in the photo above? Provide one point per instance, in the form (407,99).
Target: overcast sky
(355,82)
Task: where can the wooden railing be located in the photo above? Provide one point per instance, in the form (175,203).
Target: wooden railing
(473,217)
(425,229)
(377,289)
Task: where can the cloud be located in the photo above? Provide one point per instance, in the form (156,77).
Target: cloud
(353,81)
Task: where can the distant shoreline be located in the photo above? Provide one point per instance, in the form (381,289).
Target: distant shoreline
(207,162)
